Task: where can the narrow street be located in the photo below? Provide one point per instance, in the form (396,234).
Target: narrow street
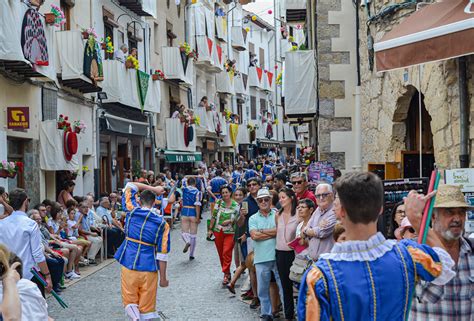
(195,291)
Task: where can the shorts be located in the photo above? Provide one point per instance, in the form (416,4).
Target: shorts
(243,250)
(188,212)
(139,288)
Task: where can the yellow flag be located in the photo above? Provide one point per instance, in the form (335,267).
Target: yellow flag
(234,131)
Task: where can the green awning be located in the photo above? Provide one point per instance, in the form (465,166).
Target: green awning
(182,157)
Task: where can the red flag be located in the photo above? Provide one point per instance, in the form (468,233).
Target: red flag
(259,74)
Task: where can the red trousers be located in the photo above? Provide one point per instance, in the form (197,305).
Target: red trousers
(225,247)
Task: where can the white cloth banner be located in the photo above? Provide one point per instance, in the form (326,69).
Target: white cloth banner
(71,55)
(210,23)
(221,27)
(120,84)
(203,49)
(238,37)
(300,82)
(289,132)
(175,136)
(153,96)
(225,83)
(243,136)
(52,149)
(149,6)
(199,19)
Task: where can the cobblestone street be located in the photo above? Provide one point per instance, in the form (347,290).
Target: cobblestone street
(195,291)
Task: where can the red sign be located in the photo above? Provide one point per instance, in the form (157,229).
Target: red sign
(18,117)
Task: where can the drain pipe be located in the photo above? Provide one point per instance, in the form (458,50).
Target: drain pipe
(357,166)
(463,113)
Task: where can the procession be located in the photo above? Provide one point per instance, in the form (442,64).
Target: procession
(236,160)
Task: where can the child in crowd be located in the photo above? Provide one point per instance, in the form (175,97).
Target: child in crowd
(72,230)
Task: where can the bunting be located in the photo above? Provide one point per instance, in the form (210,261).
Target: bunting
(142,85)
(209,46)
(259,74)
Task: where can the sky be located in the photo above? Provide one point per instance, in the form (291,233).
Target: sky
(260,8)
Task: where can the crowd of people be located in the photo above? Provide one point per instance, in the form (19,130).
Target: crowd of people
(299,250)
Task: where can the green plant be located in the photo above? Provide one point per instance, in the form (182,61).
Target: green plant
(137,168)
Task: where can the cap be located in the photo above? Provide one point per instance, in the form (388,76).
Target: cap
(263,192)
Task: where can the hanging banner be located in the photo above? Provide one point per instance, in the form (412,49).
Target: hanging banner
(142,83)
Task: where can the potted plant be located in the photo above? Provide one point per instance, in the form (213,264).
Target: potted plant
(132,63)
(90,32)
(79,126)
(9,169)
(63,123)
(107,45)
(158,75)
(56,17)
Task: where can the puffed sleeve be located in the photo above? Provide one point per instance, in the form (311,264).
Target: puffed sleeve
(163,243)
(432,264)
(129,202)
(313,304)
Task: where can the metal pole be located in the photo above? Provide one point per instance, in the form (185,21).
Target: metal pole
(97,150)
(420,122)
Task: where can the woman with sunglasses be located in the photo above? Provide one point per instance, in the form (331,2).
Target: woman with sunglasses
(287,222)
(222,223)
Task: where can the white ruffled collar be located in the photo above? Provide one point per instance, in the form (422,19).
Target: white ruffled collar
(375,247)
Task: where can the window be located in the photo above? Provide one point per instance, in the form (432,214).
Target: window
(49,102)
(168,4)
(67,14)
(156,37)
(262,58)
(132,43)
(179,10)
(171,35)
(263,106)
(121,39)
(253,107)
(240,103)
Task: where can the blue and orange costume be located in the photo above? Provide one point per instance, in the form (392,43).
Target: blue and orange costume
(191,198)
(216,183)
(147,241)
(369,280)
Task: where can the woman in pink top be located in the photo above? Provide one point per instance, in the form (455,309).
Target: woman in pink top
(287,221)
(66,193)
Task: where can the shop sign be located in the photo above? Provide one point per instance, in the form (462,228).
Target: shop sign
(18,118)
(182,158)
(461,176)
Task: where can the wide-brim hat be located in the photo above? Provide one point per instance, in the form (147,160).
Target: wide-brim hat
(263,192)
(450,196)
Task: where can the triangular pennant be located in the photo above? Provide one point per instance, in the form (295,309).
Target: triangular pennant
(142,85)
(270,78)
(259,74)
(209,46)
(219,53)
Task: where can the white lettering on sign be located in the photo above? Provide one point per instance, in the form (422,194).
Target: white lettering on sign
(187,158)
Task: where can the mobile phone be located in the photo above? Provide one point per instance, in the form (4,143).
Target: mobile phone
(245,206)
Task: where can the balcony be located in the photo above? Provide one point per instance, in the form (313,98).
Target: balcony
(71,62)
(140,7)
(289,133)
(225,83)
(238,41)
(243,136)
(256,77)
(210,54)
(230,137)
(121,86)
(177,137)
(240,84)
(36,57)
(300,83)
(176,67)
(221,28)
(268,81)
(211,123)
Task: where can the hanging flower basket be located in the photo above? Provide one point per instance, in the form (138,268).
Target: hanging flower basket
(85,35)
(49,18)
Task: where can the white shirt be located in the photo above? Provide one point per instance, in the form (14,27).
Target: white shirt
(33,305)
(22,236)
(119,55)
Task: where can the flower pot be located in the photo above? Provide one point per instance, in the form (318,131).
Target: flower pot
(77,130)
(85,35)
(3,173)
(155,77)
(49,18)
(11,175)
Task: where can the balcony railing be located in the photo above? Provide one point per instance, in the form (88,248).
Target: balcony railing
(72,60)
(210,54)
(178,136)
(256,77)
(225,82)
(268,80)
(140,7)
(177,67)
(240,85)
(34,54)
(122,87)
(243,136)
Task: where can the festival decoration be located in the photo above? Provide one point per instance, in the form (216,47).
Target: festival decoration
(107,45)
(89,32)
(158,75)
(92,56)
(254,18)
(33,39)
(247,29)
(58,18)
(79,126)
(197,120)
(63,123)
(9,169)
(227,114)
(279,78)
(270,11)
(132,62)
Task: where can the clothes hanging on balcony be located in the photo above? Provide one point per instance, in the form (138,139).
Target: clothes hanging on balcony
(33,39)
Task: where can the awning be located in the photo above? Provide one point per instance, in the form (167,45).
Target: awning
(439,31)
(267,143)
(126,126)
(182,157)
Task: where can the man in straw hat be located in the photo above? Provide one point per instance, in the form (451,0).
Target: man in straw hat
(454,300)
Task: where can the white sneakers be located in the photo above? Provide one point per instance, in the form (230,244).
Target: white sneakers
(72,275)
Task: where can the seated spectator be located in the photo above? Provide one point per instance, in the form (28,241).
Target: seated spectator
(90,232)
(113,228)
(66,193)
(18,293)
(72,234)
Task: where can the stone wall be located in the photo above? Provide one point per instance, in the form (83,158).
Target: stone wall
(386,98)
(337,79)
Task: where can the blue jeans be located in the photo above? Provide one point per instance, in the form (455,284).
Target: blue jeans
(264,273)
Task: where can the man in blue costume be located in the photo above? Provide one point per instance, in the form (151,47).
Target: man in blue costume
(368,277)
(190,214)
(144,251)
(214,188)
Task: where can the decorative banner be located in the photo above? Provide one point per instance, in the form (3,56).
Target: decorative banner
(259,73)
(234,131)
(209,46)
(92,65)
(142,83)
(33,39)
(270,78)
(219,53)
(18,118)
(70,145)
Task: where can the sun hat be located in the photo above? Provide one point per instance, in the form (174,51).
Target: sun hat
(450,196)
(403,226)
(263,192)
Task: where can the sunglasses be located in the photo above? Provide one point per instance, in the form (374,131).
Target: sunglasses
(252,184)
(322,196)
(297,182)
(261,200)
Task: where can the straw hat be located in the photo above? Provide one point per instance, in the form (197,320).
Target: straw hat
(449,196)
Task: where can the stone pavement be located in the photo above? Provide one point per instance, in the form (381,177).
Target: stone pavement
(195,291)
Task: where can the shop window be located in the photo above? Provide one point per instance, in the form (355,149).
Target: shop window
(49,104)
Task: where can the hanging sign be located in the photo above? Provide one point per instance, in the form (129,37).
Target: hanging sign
(18,118)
